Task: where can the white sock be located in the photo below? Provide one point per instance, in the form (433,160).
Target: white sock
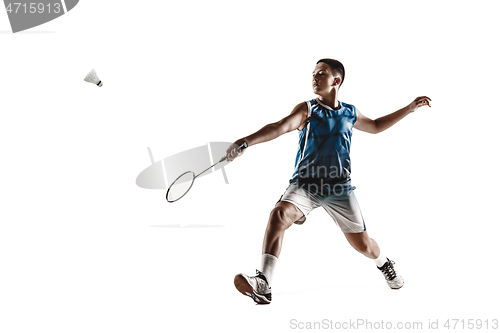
(268,263)
(381,260)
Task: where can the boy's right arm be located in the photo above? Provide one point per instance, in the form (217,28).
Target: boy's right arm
(296,120)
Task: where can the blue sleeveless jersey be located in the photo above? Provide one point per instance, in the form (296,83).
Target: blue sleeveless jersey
(324,145)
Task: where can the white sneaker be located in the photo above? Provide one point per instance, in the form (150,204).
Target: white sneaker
(394,280)
(255,287)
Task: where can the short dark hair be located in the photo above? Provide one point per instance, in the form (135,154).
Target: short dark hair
(336,67)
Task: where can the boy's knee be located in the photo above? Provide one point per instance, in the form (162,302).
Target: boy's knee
(280,218)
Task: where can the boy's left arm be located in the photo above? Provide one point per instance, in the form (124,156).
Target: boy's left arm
(378,125)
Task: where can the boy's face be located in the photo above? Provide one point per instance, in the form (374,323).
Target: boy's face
(323,81)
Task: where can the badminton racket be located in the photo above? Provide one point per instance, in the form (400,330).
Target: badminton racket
(184,182)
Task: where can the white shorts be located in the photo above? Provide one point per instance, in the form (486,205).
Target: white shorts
(342,207)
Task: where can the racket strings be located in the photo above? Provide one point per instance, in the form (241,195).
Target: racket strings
(184,182)
(180,186)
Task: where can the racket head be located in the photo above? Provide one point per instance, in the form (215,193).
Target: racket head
(180,186)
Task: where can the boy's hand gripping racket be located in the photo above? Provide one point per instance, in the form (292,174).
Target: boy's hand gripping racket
(184,182)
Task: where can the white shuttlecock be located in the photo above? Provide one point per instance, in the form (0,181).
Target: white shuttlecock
(93,78)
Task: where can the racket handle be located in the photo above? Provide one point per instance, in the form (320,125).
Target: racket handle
(243,146)
(240,148)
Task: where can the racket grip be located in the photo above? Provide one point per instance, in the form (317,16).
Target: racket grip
(243,146)
(240,148)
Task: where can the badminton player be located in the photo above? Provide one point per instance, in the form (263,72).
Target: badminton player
(322,176)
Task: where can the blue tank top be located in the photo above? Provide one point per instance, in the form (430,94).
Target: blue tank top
(324,145)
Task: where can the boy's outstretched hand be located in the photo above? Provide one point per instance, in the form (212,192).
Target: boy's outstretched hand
(418,102)
(232,152)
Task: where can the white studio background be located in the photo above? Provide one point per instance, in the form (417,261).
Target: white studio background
(82,248)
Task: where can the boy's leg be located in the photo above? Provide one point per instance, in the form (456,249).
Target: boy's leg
(281,218)
(362,243)
(258,287)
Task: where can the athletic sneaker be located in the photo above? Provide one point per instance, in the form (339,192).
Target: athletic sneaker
(394,280)
(255,287)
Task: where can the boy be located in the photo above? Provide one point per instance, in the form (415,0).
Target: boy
(322,174)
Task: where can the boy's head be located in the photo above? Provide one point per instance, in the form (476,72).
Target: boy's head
(336,67)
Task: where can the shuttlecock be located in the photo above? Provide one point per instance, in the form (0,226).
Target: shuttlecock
(93,78)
